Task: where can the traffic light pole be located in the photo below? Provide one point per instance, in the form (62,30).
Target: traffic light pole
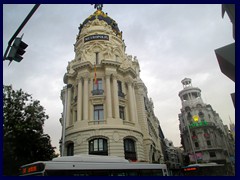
(19,29)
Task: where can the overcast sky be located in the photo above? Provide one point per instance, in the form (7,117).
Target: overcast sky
(171,42)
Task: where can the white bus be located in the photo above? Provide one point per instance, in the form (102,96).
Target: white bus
(92,165)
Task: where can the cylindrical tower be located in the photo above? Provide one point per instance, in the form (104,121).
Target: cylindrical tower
(107,108)
(202,133)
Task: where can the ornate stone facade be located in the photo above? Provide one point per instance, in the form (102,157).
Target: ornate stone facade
(113,116)
(203,135)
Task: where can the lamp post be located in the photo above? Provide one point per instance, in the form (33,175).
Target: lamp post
(191,142)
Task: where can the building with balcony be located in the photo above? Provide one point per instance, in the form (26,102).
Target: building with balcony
(173,157)
(106,107)
(203,134)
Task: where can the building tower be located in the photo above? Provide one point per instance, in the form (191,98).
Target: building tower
(106,107)
(203,135)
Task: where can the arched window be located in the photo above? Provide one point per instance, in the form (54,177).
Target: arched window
(98,146)
(70,149)
(129,149)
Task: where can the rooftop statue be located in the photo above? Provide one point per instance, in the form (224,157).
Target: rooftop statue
(98,6)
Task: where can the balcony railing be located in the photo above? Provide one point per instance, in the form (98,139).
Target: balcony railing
(97,92)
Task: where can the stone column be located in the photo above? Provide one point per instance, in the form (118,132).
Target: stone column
(130,101)
(108,97)
(115,97)
(135,104)
(79,100)
(85,98)
(69,99)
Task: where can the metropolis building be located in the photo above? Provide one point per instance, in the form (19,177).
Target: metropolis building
(106,110)
(203,135)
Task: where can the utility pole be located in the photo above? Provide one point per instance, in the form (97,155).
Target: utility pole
(14,37)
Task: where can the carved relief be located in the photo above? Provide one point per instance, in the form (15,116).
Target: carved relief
(116,136)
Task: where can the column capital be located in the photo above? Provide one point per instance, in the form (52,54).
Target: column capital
(129,80)
(107,76)
(79,79)
(86,75)
(115,76)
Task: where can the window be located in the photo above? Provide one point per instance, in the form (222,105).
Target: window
(189,116)
(70,149)
(209,143)
(98,146)
(129,149)
(119,86)
(121,112)
(120,93)
(185,97)
(193,133)
(196,144)
(212,154)
(97,87)
(97,57)
(98,112)
(75,115)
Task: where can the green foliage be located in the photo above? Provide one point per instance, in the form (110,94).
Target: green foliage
(23,138)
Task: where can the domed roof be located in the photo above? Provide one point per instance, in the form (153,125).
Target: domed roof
(100,15)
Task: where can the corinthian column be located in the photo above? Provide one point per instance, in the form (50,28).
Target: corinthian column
(79,100)
(131,101)
(108,97)
(135,104)
(85,98)
(115,97)
(69,99)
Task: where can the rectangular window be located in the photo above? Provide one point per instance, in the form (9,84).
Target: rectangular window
(97,85)
(100,148)
(196,144)
(98,112)
(121,112)
(75,115)
(119,86)
(95,145)
(193,133)
(120,93)
(209,143)
(212,154)
(97,57)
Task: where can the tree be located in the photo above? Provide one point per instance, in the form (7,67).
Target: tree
(23,138)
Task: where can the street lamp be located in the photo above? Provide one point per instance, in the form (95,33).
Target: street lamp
(191,142)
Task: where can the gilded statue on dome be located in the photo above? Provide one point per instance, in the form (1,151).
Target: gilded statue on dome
(98,6)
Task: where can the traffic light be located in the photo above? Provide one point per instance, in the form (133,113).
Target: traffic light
(17,50)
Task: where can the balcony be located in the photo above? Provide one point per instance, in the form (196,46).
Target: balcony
(96,122)
(97,92)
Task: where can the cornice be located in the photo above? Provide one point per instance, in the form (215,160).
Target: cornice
(82,65)
(111,63)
